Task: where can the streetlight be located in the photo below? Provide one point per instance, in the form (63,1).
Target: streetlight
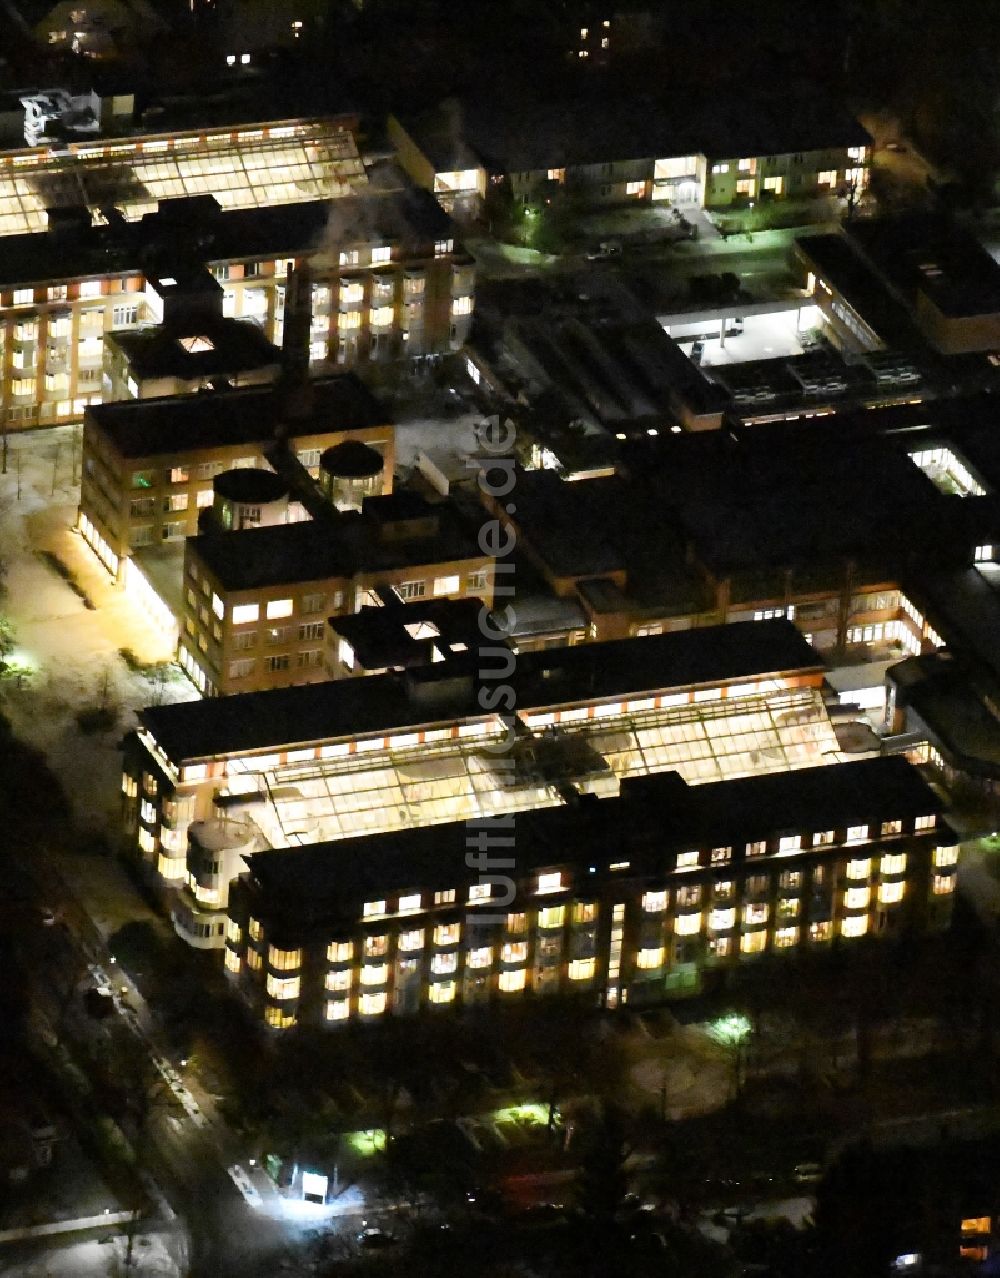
(733,1031)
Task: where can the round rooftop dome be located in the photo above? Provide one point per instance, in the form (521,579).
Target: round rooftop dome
(351,460)
(250,487)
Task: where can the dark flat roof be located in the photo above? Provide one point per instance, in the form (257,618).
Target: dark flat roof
(555,676)
(934,256)
(226,346)
(339,545)
(653,816)
(406,216)
(380,639)
(834,257)
(172,424)
(523,134)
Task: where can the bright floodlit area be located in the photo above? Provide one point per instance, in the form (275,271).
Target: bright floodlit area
(71,625)
(755,337)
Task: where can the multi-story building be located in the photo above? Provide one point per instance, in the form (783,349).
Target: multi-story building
(423,746)
(149,465)
(256,601)
(734,526)
(884,279)
(617,900)
(606,152)
(388,280)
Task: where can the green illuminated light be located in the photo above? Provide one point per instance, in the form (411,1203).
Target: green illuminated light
(368,1142)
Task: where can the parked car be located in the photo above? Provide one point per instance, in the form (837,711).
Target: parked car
(807,1173)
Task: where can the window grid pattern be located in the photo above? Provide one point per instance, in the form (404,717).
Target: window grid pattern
(310,160)
(383,790)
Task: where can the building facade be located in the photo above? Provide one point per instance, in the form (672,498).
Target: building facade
(256,602)
(619,900)
(149,465)
(389,280)
(415,748)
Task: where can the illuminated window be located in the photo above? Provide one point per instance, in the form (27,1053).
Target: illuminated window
(925,822)
(635,188)
(381,316)
(720,168)
(889,893)
(373,909)
(649,958)
(372,1004)
(857,898)
(444,964)
(821,931)
(232,962)
(582,969)
(550,882)
(480,892)
(943,857)
(822,838)
(977,1225)
(445,898)
(340,980)
(552,916)
(688,924)
(409,941)
(284,960)
(722,920)
(24,296)
(755,913)
(774,184)
(859,868)
(721,855)
(745,186)
(854,925)
(654,902)
(785,936)
(279,1018)
(585,912)
(441,991)
(234,932)
(340,951)
(687,860)
(753,942)
(790,843)
(376,946)
(891,827)
(826,177)
(757,849)
(857,833)
(511,982)
(893,864)
(256,931)
(480,958)
(943,884)
(409,904)
(374,973)
(244,613)
(255,960)
(447,933)
(517,923)
(337,1009)
(278,608)
(282,988)
(514,952)
(381,254)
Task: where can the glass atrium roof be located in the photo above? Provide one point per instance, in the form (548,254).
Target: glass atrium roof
(246,167)
(393,789)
